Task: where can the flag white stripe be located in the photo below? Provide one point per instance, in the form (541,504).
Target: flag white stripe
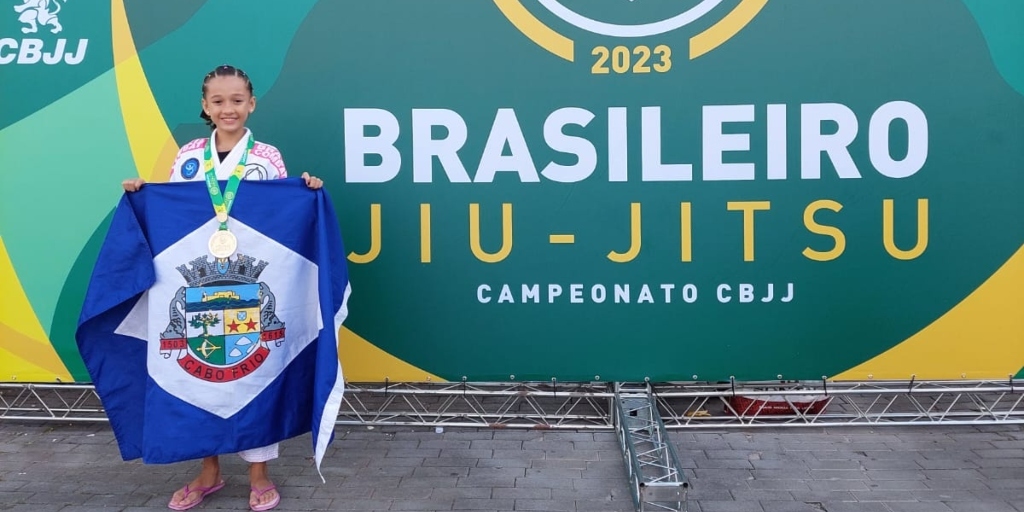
(333,404)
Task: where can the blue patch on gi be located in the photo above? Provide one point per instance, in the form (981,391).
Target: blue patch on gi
(190,168)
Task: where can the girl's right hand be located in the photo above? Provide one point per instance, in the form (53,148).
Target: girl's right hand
(133,184)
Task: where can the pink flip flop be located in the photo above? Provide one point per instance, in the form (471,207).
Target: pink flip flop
(260,493)
(204,492)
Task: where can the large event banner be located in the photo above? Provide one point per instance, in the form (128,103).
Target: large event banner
(571,189)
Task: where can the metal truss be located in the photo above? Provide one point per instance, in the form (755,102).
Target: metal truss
(577,406)
(793,404)
(591,405)
(50,402)
(656,480)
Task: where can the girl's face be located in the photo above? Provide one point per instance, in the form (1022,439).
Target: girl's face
(228,102)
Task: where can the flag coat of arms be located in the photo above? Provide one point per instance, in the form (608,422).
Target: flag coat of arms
(194,355)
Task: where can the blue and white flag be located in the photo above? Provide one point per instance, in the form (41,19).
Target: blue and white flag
(194,356)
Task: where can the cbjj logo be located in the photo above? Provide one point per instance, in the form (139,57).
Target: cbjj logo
(630,32)
(40,17)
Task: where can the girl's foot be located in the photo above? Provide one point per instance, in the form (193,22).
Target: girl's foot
(263,495)
(207,482)
(194,492)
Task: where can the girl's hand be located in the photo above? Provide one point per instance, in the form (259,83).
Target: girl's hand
(133,184)
(312,181)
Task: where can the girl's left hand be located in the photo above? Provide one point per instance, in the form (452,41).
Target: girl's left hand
(312,181)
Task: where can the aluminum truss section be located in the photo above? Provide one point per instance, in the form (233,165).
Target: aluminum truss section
(656,479)
(821,403)
(50,402)
(545,405)
(589,405)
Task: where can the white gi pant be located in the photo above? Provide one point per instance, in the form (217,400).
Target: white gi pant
(262,454)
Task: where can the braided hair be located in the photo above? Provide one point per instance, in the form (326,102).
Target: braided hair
(223,70)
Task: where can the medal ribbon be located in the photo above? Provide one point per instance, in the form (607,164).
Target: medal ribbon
(222,202)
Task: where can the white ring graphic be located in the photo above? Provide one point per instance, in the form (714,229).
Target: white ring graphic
(647,29)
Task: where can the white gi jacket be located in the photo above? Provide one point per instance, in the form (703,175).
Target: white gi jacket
(265,162)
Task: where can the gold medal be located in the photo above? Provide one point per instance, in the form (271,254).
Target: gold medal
(223,244)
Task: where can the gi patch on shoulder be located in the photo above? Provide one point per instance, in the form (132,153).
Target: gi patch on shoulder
(190,168)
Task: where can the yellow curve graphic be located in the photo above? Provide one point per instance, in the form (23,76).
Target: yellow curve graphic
(24,360)
(717,34)
(27,354)
(535,30)
(362,361)
(981,338)
(152,145)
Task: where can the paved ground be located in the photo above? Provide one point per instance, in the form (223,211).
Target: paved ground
(57,467)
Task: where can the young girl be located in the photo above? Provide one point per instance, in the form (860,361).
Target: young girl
(227,102)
